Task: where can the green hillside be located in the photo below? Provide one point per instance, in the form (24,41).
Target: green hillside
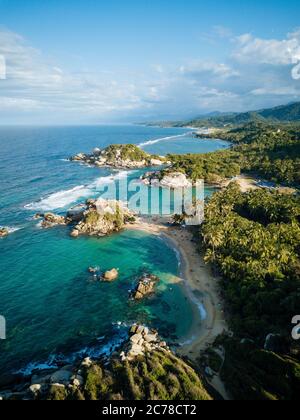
(284,113)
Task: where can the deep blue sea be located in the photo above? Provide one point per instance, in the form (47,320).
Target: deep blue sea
(53,307)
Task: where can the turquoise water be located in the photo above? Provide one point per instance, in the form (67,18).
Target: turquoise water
(53,307)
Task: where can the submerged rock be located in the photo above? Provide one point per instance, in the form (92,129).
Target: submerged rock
(75,233)
(93,270)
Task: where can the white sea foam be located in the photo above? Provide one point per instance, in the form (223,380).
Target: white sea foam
(12,229)
(60,199)
(203,312)
(65,198)
(151,142)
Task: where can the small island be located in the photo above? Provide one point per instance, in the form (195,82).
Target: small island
(120,156)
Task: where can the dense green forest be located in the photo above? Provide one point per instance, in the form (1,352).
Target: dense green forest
(253,239)
(271,151)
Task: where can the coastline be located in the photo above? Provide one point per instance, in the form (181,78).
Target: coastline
(200,284)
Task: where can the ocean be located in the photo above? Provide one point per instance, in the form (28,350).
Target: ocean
(53,307)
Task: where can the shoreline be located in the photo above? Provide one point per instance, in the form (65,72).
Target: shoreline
(201,286)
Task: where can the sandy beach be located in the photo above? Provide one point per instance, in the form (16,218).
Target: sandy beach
(201,288)
(200,283)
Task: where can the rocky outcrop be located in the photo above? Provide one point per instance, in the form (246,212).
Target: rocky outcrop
(3,232)
(103,217)
(95,218)
(111,275)
(50,220)
(172,180)
(126,156)
(145,287)
(89,379)
(142,340)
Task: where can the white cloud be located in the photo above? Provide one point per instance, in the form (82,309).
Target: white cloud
(281,91)
(2,67)
(220,70)
(33,81)
(257,73)
(268,51)
(19,104)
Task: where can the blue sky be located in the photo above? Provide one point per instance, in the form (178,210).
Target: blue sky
(90,61)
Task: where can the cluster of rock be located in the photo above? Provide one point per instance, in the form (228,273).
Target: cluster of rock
(50,220)
(3,232)
(126,156)
(103,217)
(95,218)
(145,287)
(111,275)
(172,180)
(142,340)
(108,276)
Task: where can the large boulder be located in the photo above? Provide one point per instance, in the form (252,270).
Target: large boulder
(35,390)
(145,287)
(111,275)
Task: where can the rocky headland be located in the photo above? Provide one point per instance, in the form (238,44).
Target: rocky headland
(118,377)
(126,156)
(96,218)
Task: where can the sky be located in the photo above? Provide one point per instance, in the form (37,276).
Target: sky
(95,61)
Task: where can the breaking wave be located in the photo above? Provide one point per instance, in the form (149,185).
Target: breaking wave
(150,142)
(65,198)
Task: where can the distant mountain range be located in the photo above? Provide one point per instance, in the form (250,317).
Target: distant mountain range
(284,113)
